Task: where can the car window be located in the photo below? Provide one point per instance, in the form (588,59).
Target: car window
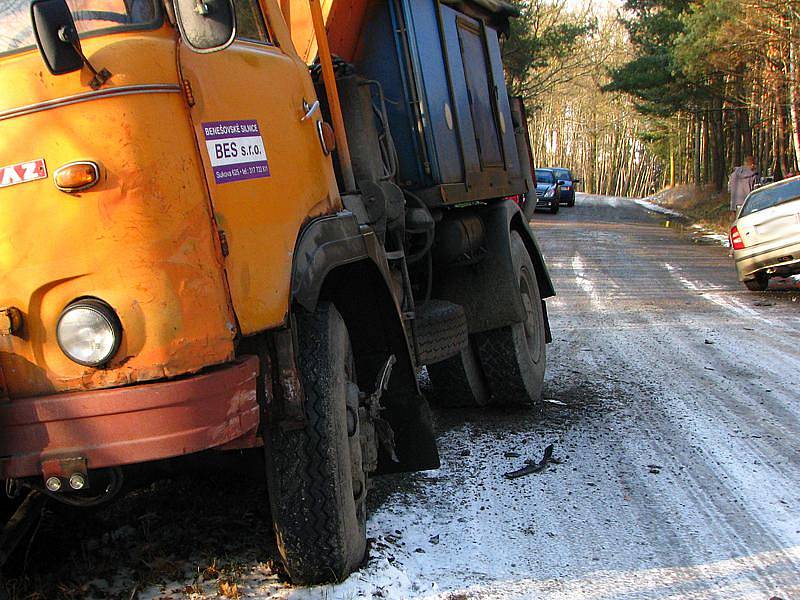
(563,174)
(771,196)
(545,176)
(91,16)
(250,23)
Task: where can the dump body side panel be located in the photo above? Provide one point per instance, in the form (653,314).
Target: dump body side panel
(441,71)
(441,125)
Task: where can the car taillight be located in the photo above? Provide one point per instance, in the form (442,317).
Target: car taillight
(736,239)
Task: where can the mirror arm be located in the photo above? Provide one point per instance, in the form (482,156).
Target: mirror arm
(69,36)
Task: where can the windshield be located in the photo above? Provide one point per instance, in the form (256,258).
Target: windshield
(563,174)
(91,16)
(772,196)
(545,176)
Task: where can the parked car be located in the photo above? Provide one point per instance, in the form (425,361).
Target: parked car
(568,187)
(766,234)
(548,192)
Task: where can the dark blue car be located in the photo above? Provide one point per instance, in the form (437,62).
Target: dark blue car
(547,190)
(568,186)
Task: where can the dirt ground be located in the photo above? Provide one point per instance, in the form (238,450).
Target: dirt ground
(671,402)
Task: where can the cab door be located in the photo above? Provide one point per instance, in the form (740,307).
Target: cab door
(264,164)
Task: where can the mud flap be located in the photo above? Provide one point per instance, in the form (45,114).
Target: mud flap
(343,263)
(415,444)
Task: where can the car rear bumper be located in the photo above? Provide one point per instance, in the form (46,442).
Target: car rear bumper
(135,424)
(784,260)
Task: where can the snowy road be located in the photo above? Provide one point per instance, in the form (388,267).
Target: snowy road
(674,409)
(680,473)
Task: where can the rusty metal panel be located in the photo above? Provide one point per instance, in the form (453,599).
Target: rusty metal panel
(131,424)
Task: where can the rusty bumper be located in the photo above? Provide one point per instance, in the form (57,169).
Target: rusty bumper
(129,425)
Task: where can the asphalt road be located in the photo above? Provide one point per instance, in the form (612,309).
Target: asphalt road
(674,410)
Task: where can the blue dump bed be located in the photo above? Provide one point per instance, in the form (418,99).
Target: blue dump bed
(442,75)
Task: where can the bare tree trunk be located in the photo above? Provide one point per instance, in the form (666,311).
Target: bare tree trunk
(697,140)
(706,147)
(780,134)
(793,80)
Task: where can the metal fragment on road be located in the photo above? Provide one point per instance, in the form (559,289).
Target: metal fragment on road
(554,401)
(533,467)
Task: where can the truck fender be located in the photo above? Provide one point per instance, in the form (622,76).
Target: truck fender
(336,260)
(478,287)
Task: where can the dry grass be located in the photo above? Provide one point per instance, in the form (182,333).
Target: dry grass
(703,206)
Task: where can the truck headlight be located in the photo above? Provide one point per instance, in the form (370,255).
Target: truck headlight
(549,193)
(89,332)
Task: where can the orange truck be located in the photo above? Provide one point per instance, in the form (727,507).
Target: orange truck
(245,227)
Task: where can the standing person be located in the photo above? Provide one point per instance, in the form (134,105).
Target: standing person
(741,182)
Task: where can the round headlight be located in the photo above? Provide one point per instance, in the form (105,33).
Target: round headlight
(89,332)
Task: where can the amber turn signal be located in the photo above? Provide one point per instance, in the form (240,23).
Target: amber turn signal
(327,139)
(77,176)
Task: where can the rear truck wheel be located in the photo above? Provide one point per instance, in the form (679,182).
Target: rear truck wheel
(317,484)
(759,284)
(459,381)
(555,206)
(571,203)
(513,357)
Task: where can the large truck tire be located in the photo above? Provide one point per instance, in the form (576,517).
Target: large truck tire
(514,357)
(440,329)
(458,381)
(315,475)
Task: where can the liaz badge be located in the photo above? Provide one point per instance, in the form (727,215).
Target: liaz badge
(22,172)
(236,150)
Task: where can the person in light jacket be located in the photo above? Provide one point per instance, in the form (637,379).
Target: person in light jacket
(741,182)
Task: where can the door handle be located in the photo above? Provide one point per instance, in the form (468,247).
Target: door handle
(310,110)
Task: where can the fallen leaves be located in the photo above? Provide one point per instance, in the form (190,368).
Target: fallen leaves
(229,589)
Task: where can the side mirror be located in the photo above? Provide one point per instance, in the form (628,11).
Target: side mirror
(576,181)
(206,25)
(56,36)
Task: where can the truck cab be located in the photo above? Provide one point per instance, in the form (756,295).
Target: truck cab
(218,237)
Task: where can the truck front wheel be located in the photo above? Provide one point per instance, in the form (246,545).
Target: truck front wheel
(513,357)
(317,484)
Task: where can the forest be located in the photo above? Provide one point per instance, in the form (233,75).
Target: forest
(650,94)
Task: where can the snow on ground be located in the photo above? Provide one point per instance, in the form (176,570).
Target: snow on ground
(700,233)
(706,235)
(647,204)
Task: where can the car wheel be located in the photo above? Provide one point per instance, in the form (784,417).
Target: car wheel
(317,484)
(759,284)
(571,203)
(514,357)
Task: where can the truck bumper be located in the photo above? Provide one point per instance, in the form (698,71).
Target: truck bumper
(127,425)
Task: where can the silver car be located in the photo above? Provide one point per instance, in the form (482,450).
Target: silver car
(766,234)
